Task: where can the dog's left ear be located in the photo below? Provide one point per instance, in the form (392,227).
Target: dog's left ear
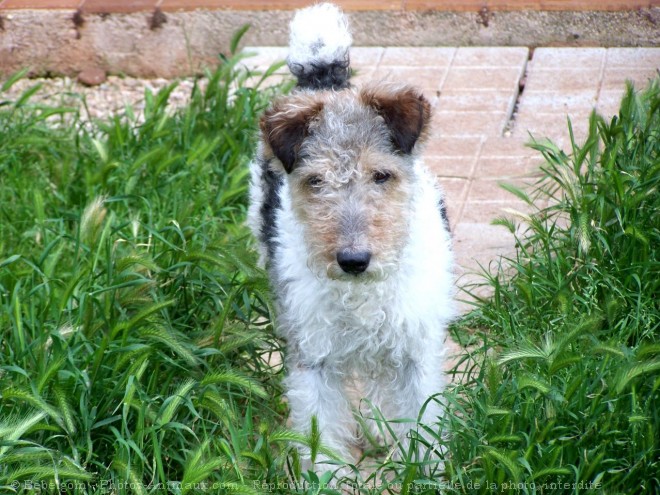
(286,125)
(405,110)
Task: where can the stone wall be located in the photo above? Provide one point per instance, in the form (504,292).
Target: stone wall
(143,38)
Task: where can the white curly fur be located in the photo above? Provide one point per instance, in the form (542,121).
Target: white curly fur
(386,327)
(318,34)
(392,332)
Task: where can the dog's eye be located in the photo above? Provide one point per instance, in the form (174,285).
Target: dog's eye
(314,181)
(381,177)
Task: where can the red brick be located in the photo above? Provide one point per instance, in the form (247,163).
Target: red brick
(117,6)
(514,4)
(347,5)
(172,5)
(569,5)
(361,5)
(450,5)
(40,4)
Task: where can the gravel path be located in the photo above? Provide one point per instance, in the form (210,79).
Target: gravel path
(102,101)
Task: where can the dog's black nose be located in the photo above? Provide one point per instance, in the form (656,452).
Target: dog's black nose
(353,262)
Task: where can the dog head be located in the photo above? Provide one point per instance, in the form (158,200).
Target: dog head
(348,158)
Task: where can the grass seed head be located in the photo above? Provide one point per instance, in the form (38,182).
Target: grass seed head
(92,220)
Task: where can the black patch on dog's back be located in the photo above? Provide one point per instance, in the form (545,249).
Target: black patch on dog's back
(272,182)
(442,207)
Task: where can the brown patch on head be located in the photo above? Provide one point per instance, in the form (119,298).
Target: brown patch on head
(405,110)
(286,124)
(388,195)
(362,209)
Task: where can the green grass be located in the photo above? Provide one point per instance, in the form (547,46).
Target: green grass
(567,394)
(135,337)
(137,353)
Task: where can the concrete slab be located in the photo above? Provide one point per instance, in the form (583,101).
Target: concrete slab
(480,56)
(418,57)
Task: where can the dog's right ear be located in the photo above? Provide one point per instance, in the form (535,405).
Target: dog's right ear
(285,126)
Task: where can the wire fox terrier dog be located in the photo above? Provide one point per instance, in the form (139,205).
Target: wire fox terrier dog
(353,232)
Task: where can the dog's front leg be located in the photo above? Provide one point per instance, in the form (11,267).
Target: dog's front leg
(318,391)
(405,394)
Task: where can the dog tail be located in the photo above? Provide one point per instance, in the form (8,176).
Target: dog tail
(318,47)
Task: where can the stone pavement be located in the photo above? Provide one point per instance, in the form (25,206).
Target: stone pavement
(487,102)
